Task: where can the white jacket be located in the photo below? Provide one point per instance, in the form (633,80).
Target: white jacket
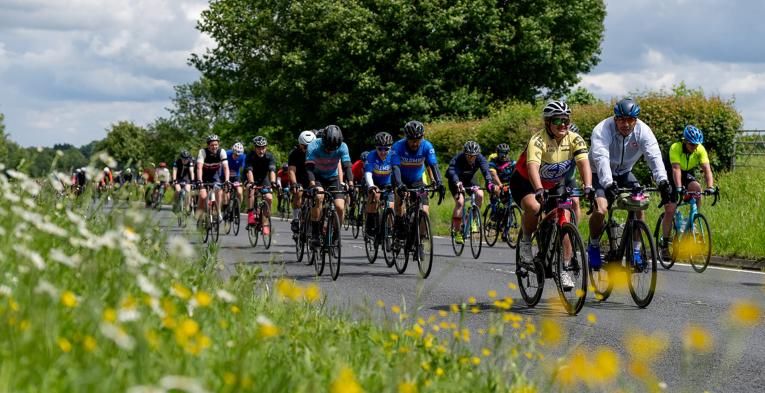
(612,154)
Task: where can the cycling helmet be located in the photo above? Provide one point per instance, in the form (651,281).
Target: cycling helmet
(128,171)
(556,108)
(238,148)
(503,148)
(162,165)
(472,148)
(320,132)
(333,137)
(306,137)
(285,166)
(185,155)
(693,135)
(414,130)
(364,156)
(383,139)
(78,170)
(627,107)
(573,128)
(107,170)
(212,138)
(259,141)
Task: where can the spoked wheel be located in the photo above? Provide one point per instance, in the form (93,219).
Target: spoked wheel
(476,232)
(227,220)
(513,226)
(215,229)
(531,277)
(424,250)
(571,260)
(658,236)
(600,279)
(301,242)
(267,238)
(358,222)
(700,247)
(490,226)
(388,237)
(316,259)
(349,213)
(642,268)
(253,233)
(371,244)
(334,247)
(203,226)
(236,218)
(401,246)
(457,247)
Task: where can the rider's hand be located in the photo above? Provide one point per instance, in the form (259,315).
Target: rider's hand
(666,191)
(612,192)
(540,195)
(441,190)
(460,187)
(677,194)
(372,189)
(710,190)
(589,193)
(401,190)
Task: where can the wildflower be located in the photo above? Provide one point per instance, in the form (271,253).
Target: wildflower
(180,291)
(471,300)
(745,314)
(345,382)
(147,286)
(439,372)
(186,384)
(202,299)
(645,348)
(380,304)
(606,366)
(60,257)
(486,352)
(89,343)
(235,309)
(697,339)
(443,314)
(475,309)
(455,308)
(109,315)
(591,318)
(407,387)
(119,336)
(551,333)
(64,344)
(179,248)
(395,309)
(288,289)
(229,378)
(312,293)
(267,329)
(225,295)
(475,360)
(492,294)
(512,286)
(69,299)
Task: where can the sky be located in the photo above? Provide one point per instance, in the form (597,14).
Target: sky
(71,68)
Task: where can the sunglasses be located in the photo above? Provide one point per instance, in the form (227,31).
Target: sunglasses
(559,121)
(383,148)
(626,119)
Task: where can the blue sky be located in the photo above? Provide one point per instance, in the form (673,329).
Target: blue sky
(70,68)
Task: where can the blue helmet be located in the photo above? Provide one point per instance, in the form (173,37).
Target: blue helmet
(627,107)
(693,135)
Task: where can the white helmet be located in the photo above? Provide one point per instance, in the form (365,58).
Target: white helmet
(107,170)
(306,137)
(238,148)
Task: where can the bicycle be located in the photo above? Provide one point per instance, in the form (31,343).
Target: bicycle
(618,251)
(210,221)
(255,231)
(555,237)
(689,239)
(471,225)
(301,236)
(232,216)
(330,248)
(158,196)
(372,243)
(358,214)
(284,204)
(183,210)
(502,216)
(417,238)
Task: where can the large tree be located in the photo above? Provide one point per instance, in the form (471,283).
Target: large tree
(369,65)
(126,143)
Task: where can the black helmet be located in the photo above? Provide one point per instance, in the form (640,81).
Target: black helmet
(212,138)
(414,130)
(185,155)
(503,148)
(259,141)
(364,155)
(383,139)
(333,137)
(627,107)
(319,132)
(472,148)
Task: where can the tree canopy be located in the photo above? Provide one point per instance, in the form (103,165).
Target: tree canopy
(370,65)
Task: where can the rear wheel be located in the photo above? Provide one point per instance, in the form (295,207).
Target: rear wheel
(267,238)
(701,236)
(658,236)
(600,279)
(642,269)
(573,265)
(513,226)
(490,225)
(476,232)
(227,220)
(531,277)
(371,244)
(237,217)
(457,247)
(334,248)
(400,262)
(424,249)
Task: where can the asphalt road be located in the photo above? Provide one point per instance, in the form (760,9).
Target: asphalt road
(682,297)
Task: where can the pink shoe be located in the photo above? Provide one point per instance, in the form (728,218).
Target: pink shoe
(251,219)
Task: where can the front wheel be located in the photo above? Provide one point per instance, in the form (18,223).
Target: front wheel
(642,265)
(267,238)
(700,249)
(236,217)
(371,244)
(491,227)
(571,261)
(458,247)
(658,235)
(388,239)
(333,245)
(476,232)
(531,277)
(512,227)
(424,249)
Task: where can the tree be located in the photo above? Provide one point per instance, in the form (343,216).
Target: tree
(370,65)
(582,96)
(4,159)
(125,142)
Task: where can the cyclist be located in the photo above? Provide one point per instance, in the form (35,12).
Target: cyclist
(684,157)
(618,142)
(321,166)
(107,180)
(161,178)
(409,158)
(501,166)
(209,162)
(357,169)
(126,177)
(236,162)
(298,174)
(460,174)
(542,165)
(261,171)
(282,185)
(569,181)
(377,172)
(183,175)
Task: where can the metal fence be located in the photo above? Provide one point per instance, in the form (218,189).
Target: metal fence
(749,148)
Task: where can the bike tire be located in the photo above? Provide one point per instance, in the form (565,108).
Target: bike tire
(659,237)
(334,245)
(513,225)
(388,237)
(573,300)
(236,217)
(227,220)
(355,227)
(458,248)
(530,278)
(216,229)
(490,226)
(267,238)
(401,263)
(318,260)
(301,243)
(424,249)
(371,244)
(253,234)
(476,236)
(203,226)
(702,250)
(642,281)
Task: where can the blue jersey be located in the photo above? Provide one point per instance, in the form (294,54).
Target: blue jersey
(381,169)
(412,163)
(325,163)
(235,166)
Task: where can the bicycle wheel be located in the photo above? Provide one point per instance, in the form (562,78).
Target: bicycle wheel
(457,247)
(348,216)
(424,249)
(476,232)
(253,233)
(388,237)
(531,277)
(358,220)
(403,246)
(301,242)
(333,245)
(203,226)
(642,282)
(573,265)
(236,217)
(600,279)
(227,220)
(317,260)
(371,244)
(701,238)
(658,236)
(490,226)
(513,226)
(267,238)
(215,227)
